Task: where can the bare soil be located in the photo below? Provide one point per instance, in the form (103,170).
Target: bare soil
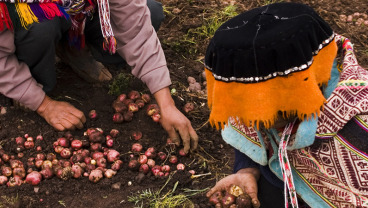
(214,156)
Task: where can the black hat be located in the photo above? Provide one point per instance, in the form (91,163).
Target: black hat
(268,41)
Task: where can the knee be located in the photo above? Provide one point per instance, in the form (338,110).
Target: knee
(157,14)
(47,32)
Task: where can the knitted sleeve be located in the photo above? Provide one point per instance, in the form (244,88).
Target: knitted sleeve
(137,42)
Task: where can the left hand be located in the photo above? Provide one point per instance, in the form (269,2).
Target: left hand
(174,122)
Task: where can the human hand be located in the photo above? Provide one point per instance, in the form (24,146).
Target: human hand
(174,122)
(61,115)
(245,178)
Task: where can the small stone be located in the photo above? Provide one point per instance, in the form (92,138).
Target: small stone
(116,186)
(36,189)
(129,183)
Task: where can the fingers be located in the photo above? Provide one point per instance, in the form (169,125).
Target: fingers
(194,139)
(221,185)
(255,201)
(186,140)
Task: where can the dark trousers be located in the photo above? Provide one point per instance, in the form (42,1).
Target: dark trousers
(269,195)
(35,46)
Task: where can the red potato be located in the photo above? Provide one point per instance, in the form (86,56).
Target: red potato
(34,178)
(144,168)
(162,156)
(173,159)
(156,117)
(136,135)
(97,155)
(152,108)
(15,181)
(19,140)
(93,115)
(151,163)
(20,171)
(150,152)
(46,164)
(136,147)
(133,95)
(15,164)
(191,80)
(29,144)
(76,158)
(114,133)
(3,180)
(228,199)
(109,173)
(121,97)
(76,144)
(142,159)
(165,168)
(117,165)
(140,103)
(5,157)
(133,164)
(47,173)
(182,152)
(66,153)
(156,170)
(133,107)
(64,142)
(216,198)
(180,166)
(96,175)
(128,116)
(77,171)
(95,147)
(244,201)
(188,107)
(146,98)
(20,155)
(112,155)
(96,137)
(127,101)
(119,107)
(110,143)
(58,149)
(117,118)
(6,171)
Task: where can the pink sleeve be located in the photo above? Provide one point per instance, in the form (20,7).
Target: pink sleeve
(138,44)
(16,81)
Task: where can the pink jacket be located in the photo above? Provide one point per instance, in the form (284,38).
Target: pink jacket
(137,43)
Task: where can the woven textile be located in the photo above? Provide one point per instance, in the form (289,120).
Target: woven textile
(333,171)
(21,14)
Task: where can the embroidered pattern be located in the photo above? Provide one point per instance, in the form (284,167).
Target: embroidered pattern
(350,97)
(247,132)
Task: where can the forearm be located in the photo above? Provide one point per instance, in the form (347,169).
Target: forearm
(138,44)
(16,81)
(164,99)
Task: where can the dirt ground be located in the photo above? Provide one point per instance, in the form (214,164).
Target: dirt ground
(213,158)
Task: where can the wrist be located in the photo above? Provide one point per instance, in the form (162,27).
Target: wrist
(163,98)
(44,104)
(253,171)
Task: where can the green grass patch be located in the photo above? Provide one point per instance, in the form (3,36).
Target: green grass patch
(157,199)
(196,37)
(120,83)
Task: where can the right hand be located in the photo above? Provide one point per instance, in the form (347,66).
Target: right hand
(245,178)
(61,115)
